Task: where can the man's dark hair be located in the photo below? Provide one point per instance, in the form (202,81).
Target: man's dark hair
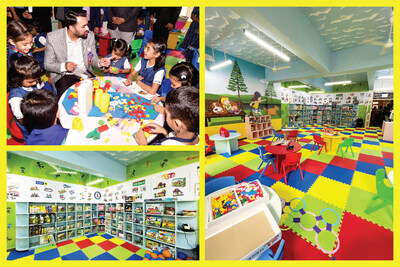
(39,108)
(183,104)
(72,14)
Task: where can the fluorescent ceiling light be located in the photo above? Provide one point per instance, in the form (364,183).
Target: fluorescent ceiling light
(266,45)
(317,92)
(339,82)
(221,65)
(95,182)
(385,77)
(299,86)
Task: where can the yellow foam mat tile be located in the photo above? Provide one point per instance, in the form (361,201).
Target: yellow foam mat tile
(358,135)
(331,191)
(287,192)
(243,157)
(97,239)
(27,258)
(364,181)
(214,159)
(386,144)
(116,241)
(371,147)
(80,239)
(252,141)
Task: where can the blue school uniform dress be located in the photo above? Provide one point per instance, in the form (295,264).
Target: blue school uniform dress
(149,73)
(12,50)
(40,55)
(54,135)
(120,64)
(141,29)
(20,92)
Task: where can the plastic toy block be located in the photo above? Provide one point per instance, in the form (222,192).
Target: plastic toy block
(101,78)
(123,133)
(124,122)
(107,81)
(127,139)
(107,140)
(147,115)
(150,120)
(70,96)
(77,124)
(146,134)
(101,122)
(116,97)
(103,128)
(74,94)
(114,69)
(95,134)
(96,84)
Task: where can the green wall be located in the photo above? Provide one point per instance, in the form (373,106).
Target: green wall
(354,87)
(284,112)
(362,112)
(21,165)
(11,225)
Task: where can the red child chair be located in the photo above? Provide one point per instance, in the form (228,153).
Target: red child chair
(293,134)
(16,135)
(290,160)
(319,141)
(210,144)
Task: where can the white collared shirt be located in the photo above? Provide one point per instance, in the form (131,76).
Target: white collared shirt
(75,55)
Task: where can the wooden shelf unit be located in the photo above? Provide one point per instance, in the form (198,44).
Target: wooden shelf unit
(258,126)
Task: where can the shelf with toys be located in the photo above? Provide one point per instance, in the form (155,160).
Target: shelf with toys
(38,224)
(258,126)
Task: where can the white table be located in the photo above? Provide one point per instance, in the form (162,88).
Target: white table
(225,144)
(390,177)
(113,136)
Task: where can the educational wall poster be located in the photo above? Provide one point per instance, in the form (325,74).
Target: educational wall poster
(138,189)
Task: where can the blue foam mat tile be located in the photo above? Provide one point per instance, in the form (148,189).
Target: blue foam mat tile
(107,236)
(48,255)
(338,174)
(309,146)
(368,168)
(104,257)
(383,141)
(76,256)
(356,144)
(294,180)
(135,257)
(388,162)
(371,142)
(91,235)
(234,153)
(14,255)
(265,180)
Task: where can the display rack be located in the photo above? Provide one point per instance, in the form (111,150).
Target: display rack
(306,117)
(295,114)
(258,126)
(336,114)
(39,223)
(349,115)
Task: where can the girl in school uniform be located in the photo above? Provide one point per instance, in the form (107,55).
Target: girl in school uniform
(151,67)
(19,39)
(119,63)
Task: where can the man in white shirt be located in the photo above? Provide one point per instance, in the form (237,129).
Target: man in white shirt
(70,53)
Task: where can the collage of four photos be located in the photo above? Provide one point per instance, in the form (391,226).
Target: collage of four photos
(273,126)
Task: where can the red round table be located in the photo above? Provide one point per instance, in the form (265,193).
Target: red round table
(280,152)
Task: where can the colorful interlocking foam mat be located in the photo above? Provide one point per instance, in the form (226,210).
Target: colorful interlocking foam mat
(90,247)
(345,185)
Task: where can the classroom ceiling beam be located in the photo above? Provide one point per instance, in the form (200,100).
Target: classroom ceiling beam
(83,161)
(302,39)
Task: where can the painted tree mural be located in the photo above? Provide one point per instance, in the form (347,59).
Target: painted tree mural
(236,81)
(270,91)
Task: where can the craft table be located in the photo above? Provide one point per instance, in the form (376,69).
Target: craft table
(387,130)
(225,144)
(114,135)
(273,205)
(390,177)
(286,132)
(280,152)
(332,141)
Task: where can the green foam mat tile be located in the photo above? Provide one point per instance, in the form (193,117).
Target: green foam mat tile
(68,249)
(120,253)
(249,147)
(325,158)
(371,152)
(359,200)
(141,252)
(46,248)
(314,205)
(387,149)
(219,167)
(253,164)
(371,139)
(93,251)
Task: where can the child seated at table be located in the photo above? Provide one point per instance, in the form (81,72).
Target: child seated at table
(23,77)
(40,110)
(39,41)
(181,74)
(119,62)
(182,115)
(19,39)
(151,67)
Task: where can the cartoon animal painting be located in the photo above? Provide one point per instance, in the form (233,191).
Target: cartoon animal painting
(217,108)
(272,111)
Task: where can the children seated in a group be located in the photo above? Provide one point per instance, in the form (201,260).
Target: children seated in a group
(40,110)
(151,67)
(23,77)
(19,39)
(119,63)
(182,116)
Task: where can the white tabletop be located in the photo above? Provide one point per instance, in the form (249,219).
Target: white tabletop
(217,137)
(114,135)
(390,177)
